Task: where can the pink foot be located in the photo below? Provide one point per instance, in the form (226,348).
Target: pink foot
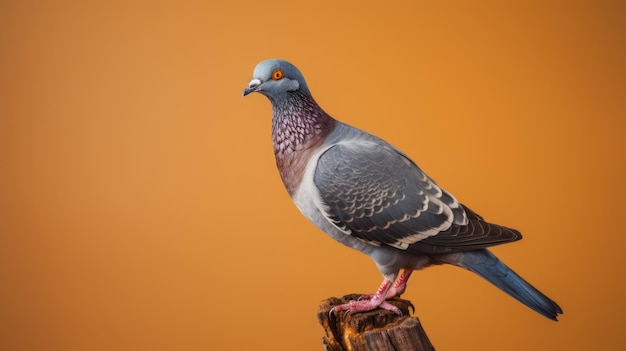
(371,303)
(356,306)
(377,300)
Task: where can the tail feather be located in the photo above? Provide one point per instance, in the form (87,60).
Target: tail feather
(488,266)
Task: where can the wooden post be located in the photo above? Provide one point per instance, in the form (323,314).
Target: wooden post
(378,330)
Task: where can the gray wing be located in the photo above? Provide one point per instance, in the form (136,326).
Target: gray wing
(375,193)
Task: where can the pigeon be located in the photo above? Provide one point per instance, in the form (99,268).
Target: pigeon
(370,196)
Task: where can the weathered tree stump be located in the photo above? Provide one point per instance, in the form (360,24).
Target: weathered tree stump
(378,330)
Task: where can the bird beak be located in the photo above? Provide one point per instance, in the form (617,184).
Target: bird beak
(252,87)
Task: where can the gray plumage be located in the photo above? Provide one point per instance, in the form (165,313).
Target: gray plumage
(368,195)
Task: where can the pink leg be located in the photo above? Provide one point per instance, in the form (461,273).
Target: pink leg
(386,291)
(398,287)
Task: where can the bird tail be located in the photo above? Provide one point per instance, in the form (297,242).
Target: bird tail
(488,266)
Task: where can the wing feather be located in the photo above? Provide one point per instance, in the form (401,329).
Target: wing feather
(379,195)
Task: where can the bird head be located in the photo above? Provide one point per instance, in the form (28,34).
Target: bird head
(275,79)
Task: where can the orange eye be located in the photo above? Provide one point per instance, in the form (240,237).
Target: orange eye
(277,74)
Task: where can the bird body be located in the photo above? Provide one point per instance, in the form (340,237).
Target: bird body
(369,196)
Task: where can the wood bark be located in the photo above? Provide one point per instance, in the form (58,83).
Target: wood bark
(378,330)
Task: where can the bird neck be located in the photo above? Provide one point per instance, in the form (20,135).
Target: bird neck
(298,123)
(299,126)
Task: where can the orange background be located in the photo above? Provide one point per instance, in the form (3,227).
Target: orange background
(140,208)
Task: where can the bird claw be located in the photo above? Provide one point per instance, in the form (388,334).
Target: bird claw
(331,314)
(356,306)
(337,308)
(370,302)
